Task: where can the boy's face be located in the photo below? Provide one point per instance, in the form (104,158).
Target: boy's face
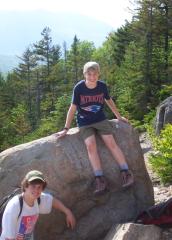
(34,190)
(91,76)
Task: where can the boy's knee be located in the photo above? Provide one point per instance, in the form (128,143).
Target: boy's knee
(91,146)
(112,145)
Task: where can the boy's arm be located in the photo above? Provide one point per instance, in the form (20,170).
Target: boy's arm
(70,219)
(114,109)
(9,221)
(69,118)
(70,115)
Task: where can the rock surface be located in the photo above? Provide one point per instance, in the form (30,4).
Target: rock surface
(65,164)
(131,231)
(164,114)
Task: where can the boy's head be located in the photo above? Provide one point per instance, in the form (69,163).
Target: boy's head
(91,66)
(33,177)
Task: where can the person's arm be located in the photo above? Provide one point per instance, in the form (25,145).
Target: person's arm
(70,115)
(70,219)
(114,109)
(69,118)
(9,219)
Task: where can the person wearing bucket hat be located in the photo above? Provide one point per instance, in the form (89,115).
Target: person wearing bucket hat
(19,220)
(89,97)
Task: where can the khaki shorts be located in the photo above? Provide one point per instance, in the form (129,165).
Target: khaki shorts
(102,128)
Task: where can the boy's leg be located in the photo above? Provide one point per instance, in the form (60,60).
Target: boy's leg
(105,130)
(100,181)
(119,156)
(91,146)
(115,150)
(88,135)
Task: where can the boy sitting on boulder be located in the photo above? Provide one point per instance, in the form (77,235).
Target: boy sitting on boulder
(88,100)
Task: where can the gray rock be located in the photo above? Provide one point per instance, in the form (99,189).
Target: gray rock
(130,231)
(65,164)
(163,115)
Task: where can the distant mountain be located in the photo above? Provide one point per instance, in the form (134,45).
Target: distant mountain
(22,28)
(8,63)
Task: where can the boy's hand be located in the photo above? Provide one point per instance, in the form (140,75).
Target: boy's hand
(61,133)
(70,219)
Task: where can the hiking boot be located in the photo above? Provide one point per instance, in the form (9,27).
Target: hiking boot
(100,185)
(127,178)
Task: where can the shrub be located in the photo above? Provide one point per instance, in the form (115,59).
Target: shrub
(161,160)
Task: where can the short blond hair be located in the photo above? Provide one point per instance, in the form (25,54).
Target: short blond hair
(91,66)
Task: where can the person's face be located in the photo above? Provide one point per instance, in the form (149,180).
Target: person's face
(34,190)
(91,76)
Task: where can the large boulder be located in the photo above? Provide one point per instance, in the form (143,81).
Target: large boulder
(131,231)
(163,115)
(65,164)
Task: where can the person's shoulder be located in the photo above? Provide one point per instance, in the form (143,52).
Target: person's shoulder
(79,84)
(46,200)
(101,83)
(46,203)
(13,202)
(45,195)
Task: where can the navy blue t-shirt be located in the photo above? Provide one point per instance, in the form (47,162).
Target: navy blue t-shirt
(90,102)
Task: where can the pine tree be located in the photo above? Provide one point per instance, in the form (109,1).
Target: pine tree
(25,73)
(19,120)
(75,58)
(46,52)
(80,53)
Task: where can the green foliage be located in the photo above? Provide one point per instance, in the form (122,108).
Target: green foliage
(45,51)
(104,57)
(19,121)
(120,40)
(138,125)
(61,110)
(149,121)
(45,128)
(54,122)
(135,61)
(162,160)
(80,53)
(150,117)
(14,126)
(130,88)
(165,92)
(7,135)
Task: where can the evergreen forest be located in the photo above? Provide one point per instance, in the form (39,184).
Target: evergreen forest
(135,61)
